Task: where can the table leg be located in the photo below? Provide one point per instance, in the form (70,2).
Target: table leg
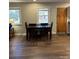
(50,34)
(27,35)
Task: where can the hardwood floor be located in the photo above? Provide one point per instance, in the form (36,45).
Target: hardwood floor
(56,48)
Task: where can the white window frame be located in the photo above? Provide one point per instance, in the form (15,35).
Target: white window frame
(38,14)
(16,8)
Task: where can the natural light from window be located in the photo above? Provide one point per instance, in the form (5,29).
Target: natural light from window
(14,16)
(43,15)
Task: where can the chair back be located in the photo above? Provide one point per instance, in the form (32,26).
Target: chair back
(51,25)
(32,24)
(26,26)
(44,24)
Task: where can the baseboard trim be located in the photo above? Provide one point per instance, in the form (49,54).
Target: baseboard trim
(60,33)
(53,32)
(20,34)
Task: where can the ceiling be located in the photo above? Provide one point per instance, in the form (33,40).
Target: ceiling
(39,1)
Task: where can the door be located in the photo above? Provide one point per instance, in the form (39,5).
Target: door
(61,20)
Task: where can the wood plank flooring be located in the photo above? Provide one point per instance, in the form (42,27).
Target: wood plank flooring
(56,48)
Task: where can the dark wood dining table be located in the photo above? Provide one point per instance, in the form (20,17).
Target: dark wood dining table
(39,27)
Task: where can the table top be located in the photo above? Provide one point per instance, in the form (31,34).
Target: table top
(39,26)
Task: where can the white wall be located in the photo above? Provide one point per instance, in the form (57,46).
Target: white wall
(68,20)
(29,14)
(68,13)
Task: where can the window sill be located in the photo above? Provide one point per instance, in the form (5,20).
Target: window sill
(17,24)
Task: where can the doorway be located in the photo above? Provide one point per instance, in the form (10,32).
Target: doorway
(61,20)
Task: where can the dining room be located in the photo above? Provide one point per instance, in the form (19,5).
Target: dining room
(39,29)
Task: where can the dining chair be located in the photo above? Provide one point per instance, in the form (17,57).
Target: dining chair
(51,30)
(26,28)
(44,24)
(32,24)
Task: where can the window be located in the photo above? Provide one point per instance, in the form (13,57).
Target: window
(43,15)
(14,16)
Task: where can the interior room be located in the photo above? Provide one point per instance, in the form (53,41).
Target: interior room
(39,29)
